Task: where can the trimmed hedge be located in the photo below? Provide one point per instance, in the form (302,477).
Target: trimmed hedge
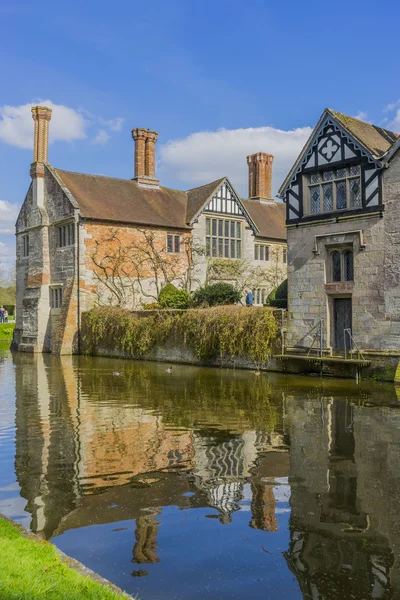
(278,298)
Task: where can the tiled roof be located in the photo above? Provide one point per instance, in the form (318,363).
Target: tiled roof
(269,218)
(375,139)
(124,201)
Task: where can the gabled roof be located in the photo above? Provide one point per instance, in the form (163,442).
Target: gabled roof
(197,197)
(124,201)
(375,141)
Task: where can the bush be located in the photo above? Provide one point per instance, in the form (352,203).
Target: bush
(216,295)
(210,333)
(171,297)
(278,298)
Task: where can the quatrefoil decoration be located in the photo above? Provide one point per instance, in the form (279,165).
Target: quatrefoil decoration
(329,150)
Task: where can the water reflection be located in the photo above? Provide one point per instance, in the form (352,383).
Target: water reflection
(303,475)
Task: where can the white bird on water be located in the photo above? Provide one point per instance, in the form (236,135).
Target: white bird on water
(116,373)
(169,370)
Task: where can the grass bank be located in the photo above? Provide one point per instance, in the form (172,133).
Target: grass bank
(6,331)
(235,331)
(33,569)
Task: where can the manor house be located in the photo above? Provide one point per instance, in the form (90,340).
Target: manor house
(343,231)
(85,240)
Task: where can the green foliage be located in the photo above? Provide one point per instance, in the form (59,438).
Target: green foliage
(279,296)
(33,569)
(234,331)
(8,297)
(119,329)
(216,295)
(6,331)
(171,297)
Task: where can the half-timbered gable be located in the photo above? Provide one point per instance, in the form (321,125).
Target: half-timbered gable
(339,170)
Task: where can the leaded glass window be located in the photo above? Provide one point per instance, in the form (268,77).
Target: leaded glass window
(336,266)
(355,192)
(341,194)
(348,265)
(223,238)
(315,203)
(173,243)
(337,189)
(328,196)
(342,265)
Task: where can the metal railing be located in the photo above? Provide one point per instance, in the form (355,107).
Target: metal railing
(348,346)
(319,335)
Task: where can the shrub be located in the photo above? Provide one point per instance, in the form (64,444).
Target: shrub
(215,295)
(278,298)
(171,297)
(210,333)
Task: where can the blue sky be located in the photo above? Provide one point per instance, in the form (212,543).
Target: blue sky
(217,79)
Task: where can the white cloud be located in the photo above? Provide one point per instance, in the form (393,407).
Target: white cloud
(8,216)
(391,106)
(362,116)
(16,124)
(67,124)
(101,138)
(113,124)
(394,124)
(205,156)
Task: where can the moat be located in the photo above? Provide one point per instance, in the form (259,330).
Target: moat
(205,483)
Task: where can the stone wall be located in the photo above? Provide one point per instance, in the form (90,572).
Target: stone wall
(310,295)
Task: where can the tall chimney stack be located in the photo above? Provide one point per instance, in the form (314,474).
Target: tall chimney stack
(145,157)
(41,116)
(260,176)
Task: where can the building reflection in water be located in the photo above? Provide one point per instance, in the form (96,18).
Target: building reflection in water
(85,442)
(88,441)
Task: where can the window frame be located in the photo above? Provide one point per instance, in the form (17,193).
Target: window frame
(56,296)
(65,235)
(336,179)
(25,245)
(175,239)
(343,253)
(224,238)
(263,249)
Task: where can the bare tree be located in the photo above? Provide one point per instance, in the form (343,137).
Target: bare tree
(242,274)
(125,268)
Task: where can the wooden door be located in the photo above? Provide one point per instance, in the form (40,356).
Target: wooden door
(342,309)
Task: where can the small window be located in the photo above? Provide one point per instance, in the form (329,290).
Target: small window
(261,252)
(66,235)
(56,296)
(284,256)
(173,243)
(25,246)
(336,266)
(348,265)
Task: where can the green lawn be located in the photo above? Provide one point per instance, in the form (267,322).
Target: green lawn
(33,570)
(6,331)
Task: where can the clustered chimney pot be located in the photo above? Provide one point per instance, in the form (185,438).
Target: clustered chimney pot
(145,156)
(260,176)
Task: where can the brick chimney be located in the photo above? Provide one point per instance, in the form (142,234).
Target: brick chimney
(41,116)
(260,176)
(145,157)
